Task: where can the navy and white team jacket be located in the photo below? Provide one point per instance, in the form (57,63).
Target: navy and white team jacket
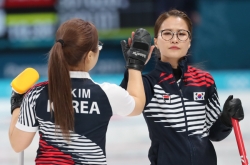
(93,104)
(182,117)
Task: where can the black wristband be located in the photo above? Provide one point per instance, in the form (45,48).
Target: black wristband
(135,64)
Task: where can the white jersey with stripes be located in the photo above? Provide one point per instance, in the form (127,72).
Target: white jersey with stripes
(93,105)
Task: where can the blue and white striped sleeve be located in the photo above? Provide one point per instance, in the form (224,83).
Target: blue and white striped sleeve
(27,120)
(213,107)
(217,130)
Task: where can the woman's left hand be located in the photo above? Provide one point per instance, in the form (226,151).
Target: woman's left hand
(232,109)
(151,48)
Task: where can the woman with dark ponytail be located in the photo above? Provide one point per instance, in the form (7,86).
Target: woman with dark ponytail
(71,111)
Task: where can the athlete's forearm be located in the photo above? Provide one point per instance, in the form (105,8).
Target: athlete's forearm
(136,89)
(13,122)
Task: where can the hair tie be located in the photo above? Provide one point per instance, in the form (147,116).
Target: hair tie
(61,41)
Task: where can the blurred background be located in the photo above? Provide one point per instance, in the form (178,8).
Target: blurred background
(220,45)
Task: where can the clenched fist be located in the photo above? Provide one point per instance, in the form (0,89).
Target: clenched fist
(232,109)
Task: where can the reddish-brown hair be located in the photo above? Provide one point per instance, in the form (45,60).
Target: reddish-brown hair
(171,13)
(77,37)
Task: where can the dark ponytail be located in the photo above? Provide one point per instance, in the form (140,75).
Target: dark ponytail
(74,39)
(60,90)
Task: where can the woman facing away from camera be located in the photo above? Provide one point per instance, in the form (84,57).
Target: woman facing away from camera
(74,134)
(182,109)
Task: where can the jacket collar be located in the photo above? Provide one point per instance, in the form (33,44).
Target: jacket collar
(79,74)
(167,68)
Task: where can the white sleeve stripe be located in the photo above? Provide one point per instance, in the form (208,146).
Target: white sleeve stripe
(32,117)
(27,115)
(212,113)
(25,128)
(215,107)
(216,95)
(211,117)
(24,116)
(32,113)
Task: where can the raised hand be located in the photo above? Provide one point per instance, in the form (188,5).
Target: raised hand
(138,50)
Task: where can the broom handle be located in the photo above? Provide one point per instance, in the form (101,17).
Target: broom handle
(240,141)
(21,158)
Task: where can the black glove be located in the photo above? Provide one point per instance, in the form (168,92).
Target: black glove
(137,54)
(232,108)
(15,101)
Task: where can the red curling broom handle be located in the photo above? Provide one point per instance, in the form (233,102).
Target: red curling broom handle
(240,141)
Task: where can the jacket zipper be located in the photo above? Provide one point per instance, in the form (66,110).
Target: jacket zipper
(184,110)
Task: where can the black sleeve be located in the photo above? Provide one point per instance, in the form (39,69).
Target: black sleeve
(124,82)
(219,131)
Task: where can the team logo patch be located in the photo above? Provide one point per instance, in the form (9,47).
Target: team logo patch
(166,97)
(199,95)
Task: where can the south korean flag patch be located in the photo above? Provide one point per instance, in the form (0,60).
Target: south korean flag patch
(199,95)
